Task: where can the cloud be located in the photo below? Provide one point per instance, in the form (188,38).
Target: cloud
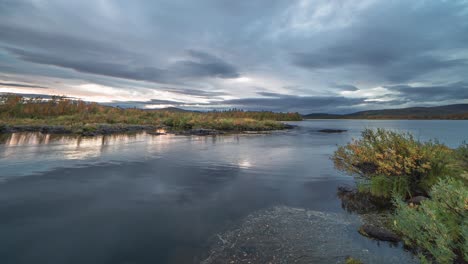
(247,54)
(203,64)
(306,104)
(143,104)
(346,87)
(21,85)
(452,91)
(277,95)
(196,92)
(398,41)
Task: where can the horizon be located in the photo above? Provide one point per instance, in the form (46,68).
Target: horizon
(115,104)
(299,56)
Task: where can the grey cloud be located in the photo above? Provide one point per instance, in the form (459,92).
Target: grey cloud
(346,87)
(195,92)
(204,65)
(141,104)
(399,41)
(20,85)
(93,67)
(278,102)
(304,104)
(270,94)
(453,91)
(196,45)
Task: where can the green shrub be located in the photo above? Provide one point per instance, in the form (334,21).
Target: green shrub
(439,226)
(461,155)
(386,153)
(385,187)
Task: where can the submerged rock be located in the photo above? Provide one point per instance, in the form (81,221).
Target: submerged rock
(379,233)
(288,126)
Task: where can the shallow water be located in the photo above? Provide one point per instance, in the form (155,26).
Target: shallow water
(160,199)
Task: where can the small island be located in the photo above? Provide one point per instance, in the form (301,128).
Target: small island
(61,115)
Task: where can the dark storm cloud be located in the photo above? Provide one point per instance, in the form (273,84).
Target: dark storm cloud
(20,85)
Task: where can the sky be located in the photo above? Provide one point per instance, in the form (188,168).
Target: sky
(276,55)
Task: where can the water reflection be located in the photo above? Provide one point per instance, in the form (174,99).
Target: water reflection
(24,153)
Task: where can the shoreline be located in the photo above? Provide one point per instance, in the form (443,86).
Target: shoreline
(109,129)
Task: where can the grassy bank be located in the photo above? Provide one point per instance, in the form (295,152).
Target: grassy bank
(427,184)
(75,114)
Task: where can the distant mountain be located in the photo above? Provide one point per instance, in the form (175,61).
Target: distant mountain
(173,109)
(456,111)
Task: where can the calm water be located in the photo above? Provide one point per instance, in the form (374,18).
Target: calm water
(157,199)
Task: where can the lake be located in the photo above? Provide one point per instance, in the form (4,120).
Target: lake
(161,199)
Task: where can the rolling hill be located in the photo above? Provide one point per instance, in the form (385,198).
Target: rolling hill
(456,111)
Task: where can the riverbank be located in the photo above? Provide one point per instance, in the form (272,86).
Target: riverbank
(108,129)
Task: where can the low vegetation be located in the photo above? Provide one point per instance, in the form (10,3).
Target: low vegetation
(388,162)
(395,167)
(439,225)
(18,110)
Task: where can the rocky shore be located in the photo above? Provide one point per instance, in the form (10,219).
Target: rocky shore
(84,131)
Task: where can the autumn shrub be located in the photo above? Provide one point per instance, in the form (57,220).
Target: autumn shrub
(18,110)
(439,226)
(388,161)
